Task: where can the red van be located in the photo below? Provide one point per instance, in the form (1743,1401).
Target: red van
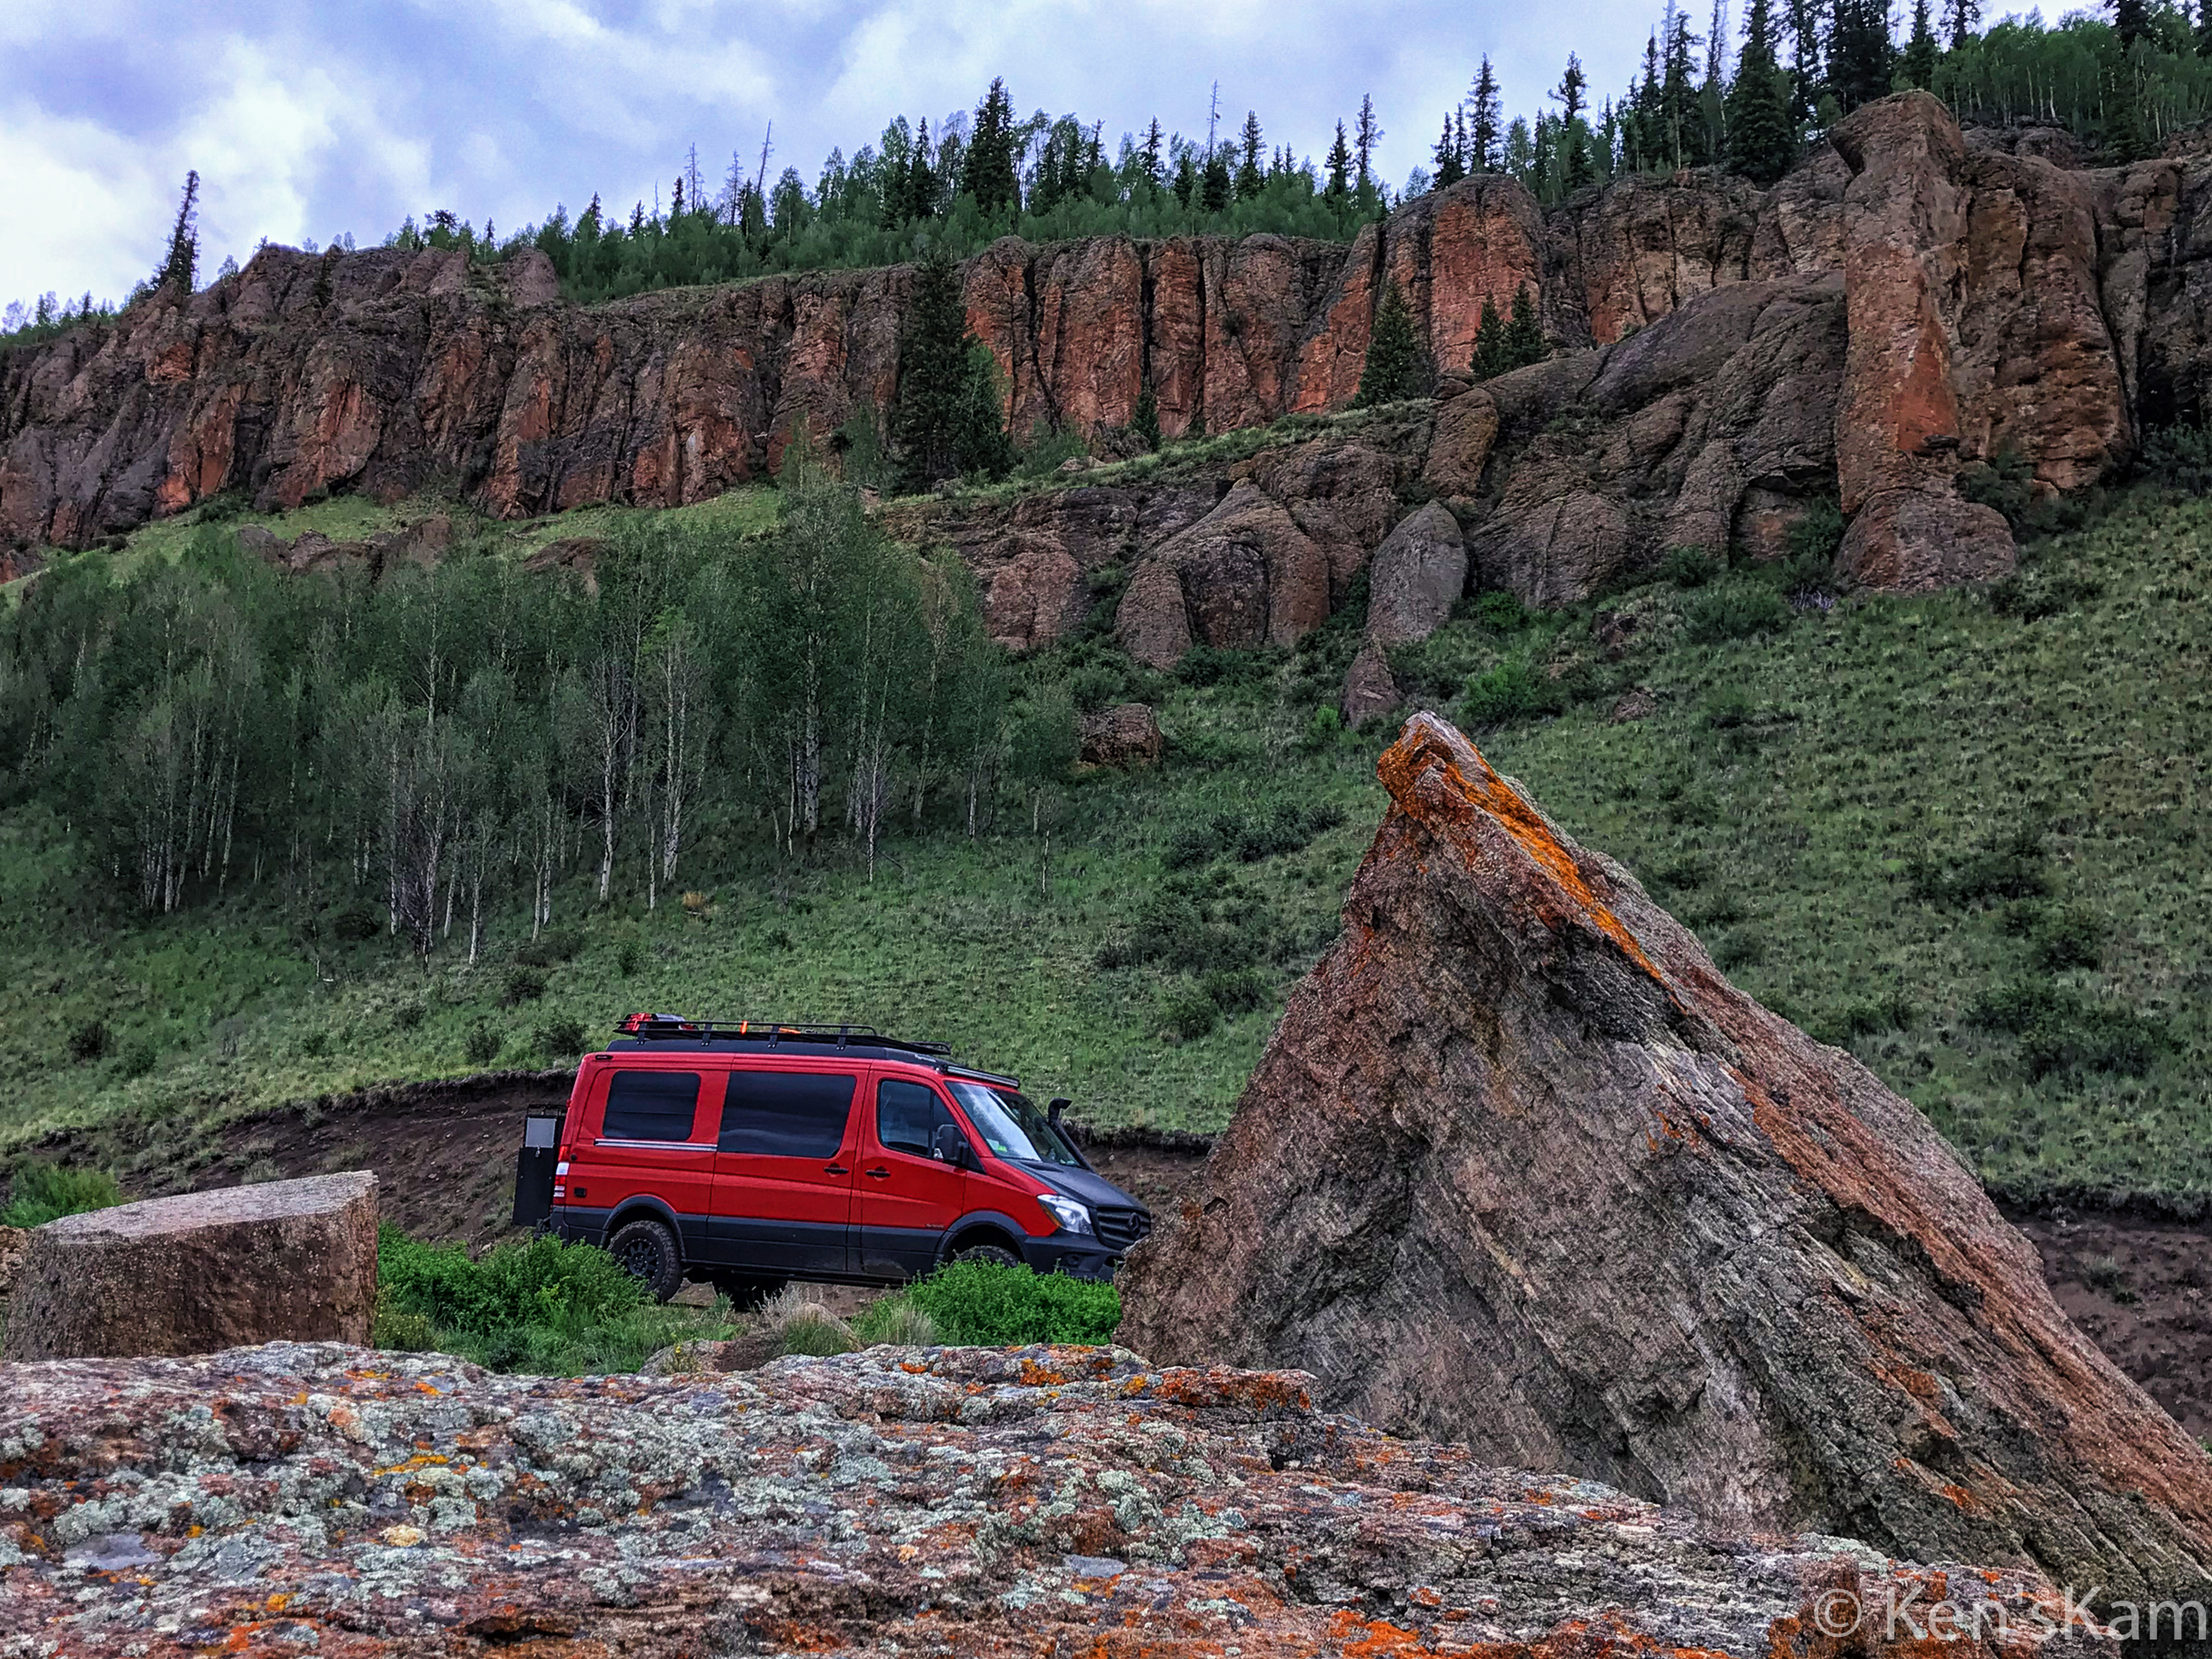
(753,1153)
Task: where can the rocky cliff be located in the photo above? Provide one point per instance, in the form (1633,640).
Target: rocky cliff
(1909,301)
(289,1500)
(1520,1167)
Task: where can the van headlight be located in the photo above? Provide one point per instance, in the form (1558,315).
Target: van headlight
(1072,1217)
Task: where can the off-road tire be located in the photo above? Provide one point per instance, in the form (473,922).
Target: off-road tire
(989,1255)
(647,1249)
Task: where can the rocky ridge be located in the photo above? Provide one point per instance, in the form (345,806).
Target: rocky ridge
(292,1499)
(1912,300)
(1519,1166)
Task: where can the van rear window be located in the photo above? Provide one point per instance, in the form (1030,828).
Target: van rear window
(786,1114)
(650,1106)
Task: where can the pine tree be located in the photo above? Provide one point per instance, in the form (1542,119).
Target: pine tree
(1647,124)
(1145,420)
(1492,356)
(1575,169)
(1339,167)
(1449,169)
(1214,190)
(1489,127)
(2130,20)
(1150,151)
(182,264)
(1862,60)
(1250,179)
(2124,139)
(989,175)
(1682,123)
(921,180)
(1393,369)
(1959,19)
(1370,133)
(933,384)
(1762,140)
(1919,63)
(2204,27)
(1525,342)
(1806,17)
(1185,180)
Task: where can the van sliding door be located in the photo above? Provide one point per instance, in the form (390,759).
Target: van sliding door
(783,1174)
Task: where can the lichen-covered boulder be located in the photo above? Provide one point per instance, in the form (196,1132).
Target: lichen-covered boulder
(294,1499)
(1520,1167)
(282,1261)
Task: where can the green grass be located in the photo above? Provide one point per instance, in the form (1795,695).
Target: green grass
(542,1307)
(1883,818)
(42,1192)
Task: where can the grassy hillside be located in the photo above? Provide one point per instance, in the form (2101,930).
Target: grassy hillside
(1959,833)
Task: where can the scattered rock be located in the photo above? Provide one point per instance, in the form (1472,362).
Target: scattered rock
(1635,704)
(1520,1167)
(1417,576)
(964,1502)
(281,1260)
(1125,735)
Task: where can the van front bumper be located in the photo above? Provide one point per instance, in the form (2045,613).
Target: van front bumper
(1077,1257)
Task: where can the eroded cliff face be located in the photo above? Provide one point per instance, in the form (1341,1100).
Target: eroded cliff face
(1520,1167)
(1909,301)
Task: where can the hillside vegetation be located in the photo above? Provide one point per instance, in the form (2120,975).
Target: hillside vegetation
(1959,833)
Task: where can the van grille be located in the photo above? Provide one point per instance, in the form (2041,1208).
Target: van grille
(1120,1229)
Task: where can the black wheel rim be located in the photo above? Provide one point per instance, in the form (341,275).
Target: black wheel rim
(641,1257)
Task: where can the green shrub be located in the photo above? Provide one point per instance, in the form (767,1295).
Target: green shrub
(407,1015)
(1222,665)
(2073,939)
(1737,950)
(550,948)
(1688,567)
(1814,542)
(2038,591)
(2062,1032)
(1249,837)
(1095,686)
(1048,449)
(522,985)
(1189,928)
(90,1041)
(1503,612)
(1728,709)
(973,1303)
(356,923)
(629,957)
(1233,991)
(897,1321)
(141,1054)
(1187,1013)
(2181,455)
(481,1047)
(2006,482)
(1736,610)
(1511,690)
(1322,729)
(2010,864)
(44,1192)
(557,1039)
(542,1282)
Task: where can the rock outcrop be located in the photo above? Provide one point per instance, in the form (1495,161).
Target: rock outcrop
(1419,573)
(280,1261)
(293,1499)
(1943,301)
(1127,735)
(1520,1167)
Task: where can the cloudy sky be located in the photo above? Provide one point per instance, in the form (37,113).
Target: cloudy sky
(307,120)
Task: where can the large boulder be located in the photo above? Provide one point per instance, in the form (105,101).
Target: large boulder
(969,1502)
(1520,1167)
(283,1261)
(1127,735)
(1243,575)
(1417,575)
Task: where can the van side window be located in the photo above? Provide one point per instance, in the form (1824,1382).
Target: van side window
(907,1116)
(650,1106)
(786,1114)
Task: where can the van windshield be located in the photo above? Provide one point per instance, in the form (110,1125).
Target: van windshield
(1011,1126)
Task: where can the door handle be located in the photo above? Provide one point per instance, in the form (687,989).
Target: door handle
(836,1169)
(879,1175)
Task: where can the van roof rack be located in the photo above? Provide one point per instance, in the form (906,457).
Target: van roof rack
(773,1034)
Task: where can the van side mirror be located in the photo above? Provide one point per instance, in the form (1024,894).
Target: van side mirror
(1058,1106)
(950,1146)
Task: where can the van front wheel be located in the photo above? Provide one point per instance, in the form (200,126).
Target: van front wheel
(989,1255)
(647,1249)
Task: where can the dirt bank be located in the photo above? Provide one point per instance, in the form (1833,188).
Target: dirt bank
(443,1152)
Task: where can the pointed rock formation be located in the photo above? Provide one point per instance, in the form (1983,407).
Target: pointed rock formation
(1519,1167)
(1419,574)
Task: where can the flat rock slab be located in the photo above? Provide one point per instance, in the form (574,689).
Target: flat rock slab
(298,1499)
(282,1261)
